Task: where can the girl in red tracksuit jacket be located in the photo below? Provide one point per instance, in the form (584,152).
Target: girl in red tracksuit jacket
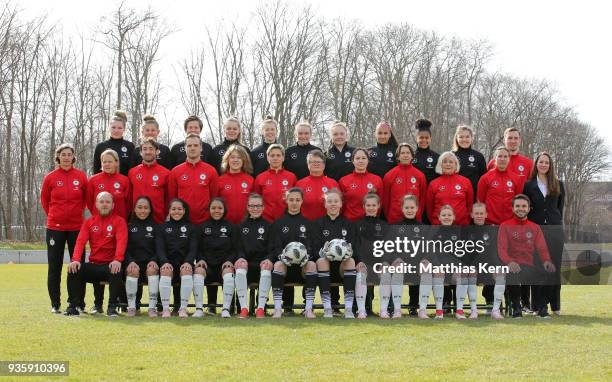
(314,186)
(356,185)
(111,181)
(235,185)
(273,183)
(450,188)
(497,187)
(63,197)
(402,180)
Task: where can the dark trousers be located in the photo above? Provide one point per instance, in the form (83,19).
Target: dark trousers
(487,293)
(93,273)
(413,293)
(56,243)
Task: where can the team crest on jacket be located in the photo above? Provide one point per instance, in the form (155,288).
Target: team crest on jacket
(95,228)
(75,182)
(509,183)
(454,237)
(416,229)
(183,229)
(347,154)
(109,228)
(521,168)
(413,180)
(221,152)
(485,237)
(60,183)
(471,158)
(124,149)
(116,185)
(149,228)
(529,235)
(245,230)
(293,155)
(223,229)
(139,176)
(261,230)
(302,228)
(285,182)
(344,232)
(389,154)
(429,159)
(457,187)
(370,186)
(155,178)
(52,242)
(285,229)
(324,189)
(202,176)
(325,232)
(260,155)
(244,185)
(377,227)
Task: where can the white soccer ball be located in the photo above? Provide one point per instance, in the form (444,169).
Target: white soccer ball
(337,250)
(294,254)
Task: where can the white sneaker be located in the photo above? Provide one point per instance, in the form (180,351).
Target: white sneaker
(328,313)
(362,315)
(183,313)
(496,315)
(557,312)
(384,314)
(152,312)
(166,313)
(278,313)
(308,313)
(131,312)
(473,315)
(198,313)
(348,313)
(397,314)
(423,314)
(225,313)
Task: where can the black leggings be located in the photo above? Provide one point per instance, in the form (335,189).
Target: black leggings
(56,243)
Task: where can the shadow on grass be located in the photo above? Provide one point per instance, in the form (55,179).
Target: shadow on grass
(301,322)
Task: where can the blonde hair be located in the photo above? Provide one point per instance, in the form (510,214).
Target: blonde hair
(119,116)
(331,127)
(236,120)
(149,119)
(113,154)
(460,129)
(300,124)
(275,146)
(371,195)
(268,119)
(444,155)
(247,167)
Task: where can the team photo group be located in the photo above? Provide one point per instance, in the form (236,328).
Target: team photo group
(194,217)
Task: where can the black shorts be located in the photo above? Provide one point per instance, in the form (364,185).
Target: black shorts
(214,274)
(294,275)
(334,272)
(253,273)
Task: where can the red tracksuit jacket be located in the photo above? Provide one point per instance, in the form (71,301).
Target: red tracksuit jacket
(272,185)
(496,189)
(63,196)
(403,179)
(107,236)
(354,187)
(152,181)
(454,190)
(119,187)
(235,190)
(193,184)
(519,165)
(314,187)
(518,239)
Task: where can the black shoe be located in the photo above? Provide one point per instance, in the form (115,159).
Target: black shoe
(97,309)
(543,314)
(412,312)
(112,311)
(288,312)
(517,314)
(71,311)
(337,313)
(56,309)
(210,311)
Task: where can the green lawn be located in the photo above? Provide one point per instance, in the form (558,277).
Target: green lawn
(575,346)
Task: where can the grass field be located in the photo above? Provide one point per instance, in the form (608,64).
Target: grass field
(575,346)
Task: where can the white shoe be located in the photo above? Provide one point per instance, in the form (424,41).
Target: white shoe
(362,315)
(473,315)
(166,313)
(496,315)
(308,313)
(423,314)
(152,312)
(348,313)
(183,313)
(131,312)
(328,313)
(397,314)
(557,312)
(225,313)
(278,313)
(384,314)
(198,313)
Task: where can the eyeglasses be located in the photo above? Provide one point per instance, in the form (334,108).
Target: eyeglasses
(255,205)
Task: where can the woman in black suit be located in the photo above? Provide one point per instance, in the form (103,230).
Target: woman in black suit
(547,196)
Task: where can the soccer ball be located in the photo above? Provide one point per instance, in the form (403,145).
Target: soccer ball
(294,254)
(336,250)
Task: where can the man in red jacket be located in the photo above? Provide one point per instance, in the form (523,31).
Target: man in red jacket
(107,236)
(150,179)
(193,181)
(519,165)
(517,240)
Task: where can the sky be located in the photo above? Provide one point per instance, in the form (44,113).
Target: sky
(567,43)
